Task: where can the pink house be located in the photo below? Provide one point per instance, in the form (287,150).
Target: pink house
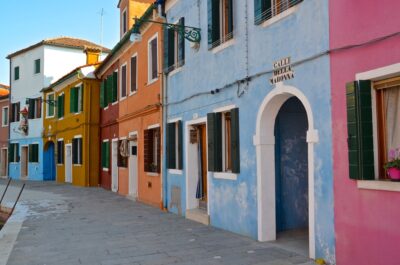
(365,78)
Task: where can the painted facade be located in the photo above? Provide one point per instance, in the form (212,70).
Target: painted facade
(366,203)
(138,114)
(32,69)
(4,122)
(71,128)
(227,77)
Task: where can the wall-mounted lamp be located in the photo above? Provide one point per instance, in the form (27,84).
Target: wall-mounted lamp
(135,37)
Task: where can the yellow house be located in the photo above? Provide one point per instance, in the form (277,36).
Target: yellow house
(71,126)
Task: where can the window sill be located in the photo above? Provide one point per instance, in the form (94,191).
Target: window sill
(225,175)
(105,169)
(175,71)
(133,93)
(150,82)
(384,185)
(49,117)
(175,171)
(77,165)
(280,16)
(152,174)
(4,126)
(223,46)
(114,103)
(122,99)
(60,165)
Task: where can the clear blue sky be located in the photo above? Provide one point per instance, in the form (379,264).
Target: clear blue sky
(26,22)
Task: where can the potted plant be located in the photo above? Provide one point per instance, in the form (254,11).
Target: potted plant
(393,166)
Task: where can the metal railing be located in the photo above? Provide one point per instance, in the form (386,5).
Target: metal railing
(277,7)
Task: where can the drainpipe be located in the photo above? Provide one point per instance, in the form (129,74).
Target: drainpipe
(9,122)
(165,117)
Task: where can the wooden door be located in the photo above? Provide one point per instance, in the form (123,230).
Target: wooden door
(133,169)
(24,161)
(4,162)
(68,163)
(114,165)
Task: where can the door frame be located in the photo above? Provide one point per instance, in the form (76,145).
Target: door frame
(190,192)
(5,165)
(136,183)
(25,147)
(115,140)
(264,141)
(66,165)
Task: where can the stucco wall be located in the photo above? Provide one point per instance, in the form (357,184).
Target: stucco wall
(366,221)
(302,34)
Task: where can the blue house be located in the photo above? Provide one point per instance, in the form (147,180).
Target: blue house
(248,118)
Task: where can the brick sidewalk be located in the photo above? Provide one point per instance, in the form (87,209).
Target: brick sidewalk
(69,225)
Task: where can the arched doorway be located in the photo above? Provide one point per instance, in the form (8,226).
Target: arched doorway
(49,165)
(265,140)
(291,171)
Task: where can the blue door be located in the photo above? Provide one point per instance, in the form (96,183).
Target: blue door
(291,166)
(49,165)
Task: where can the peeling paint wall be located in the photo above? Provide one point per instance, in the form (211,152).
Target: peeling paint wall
(300,35)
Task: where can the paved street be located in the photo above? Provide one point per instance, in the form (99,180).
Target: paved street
(62,224)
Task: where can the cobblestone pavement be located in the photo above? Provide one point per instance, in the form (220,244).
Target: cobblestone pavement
(69,225)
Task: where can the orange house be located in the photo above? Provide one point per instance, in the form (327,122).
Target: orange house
(137,149)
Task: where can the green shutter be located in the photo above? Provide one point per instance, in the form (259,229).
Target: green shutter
(30,150)
(36,153)
(72,100)
(11,153)
(171,146)
(17,156)
(166,50)
(62,105)
(359,129)
(235,141)
(214,131)
(180,145)
(102,88)
(213,21)
(31,109)
(16,73)
(107,154)
(109,89)
(181,44)
(115,86)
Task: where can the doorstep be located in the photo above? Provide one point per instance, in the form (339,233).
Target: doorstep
(198,215)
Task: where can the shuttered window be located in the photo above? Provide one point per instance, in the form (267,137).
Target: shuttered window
(15,108)
(223,141)
(34,153)
(220,22)
(134,75)
(37,66)
(34,108)
(123,81)
(76,99)
(114,87)
(50,105)
(60,106)
(175,145)
(360,132)
(16,73)
(60,152)
(4,117)
(105,155)
(102,94)
(13,153)
(266,9)
(153,60)
(174,48)
(77,151)
(152,145)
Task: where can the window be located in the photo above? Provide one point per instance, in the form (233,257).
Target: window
(124,22)
(37,66)
(77,151)
(152,150)
(266,9)
(60,152)
(123,153)
(361,123)
(109,90)
(4,117)
(220,22)
(134,74)
(50,105)
(15,107)
(174,48)
(153,61)
(223,141)
(13,153)
(16,73)
(105,154)
(123,81)
(76,99)
(60,106)
(34,108)
(33,153)
(174,145)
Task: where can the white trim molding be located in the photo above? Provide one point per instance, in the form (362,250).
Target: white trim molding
(383,185)
(264,140)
